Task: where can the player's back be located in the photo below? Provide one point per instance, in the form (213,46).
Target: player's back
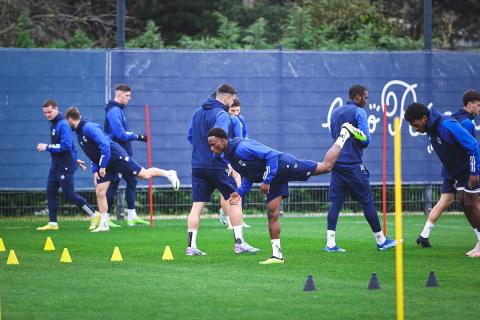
(352,151)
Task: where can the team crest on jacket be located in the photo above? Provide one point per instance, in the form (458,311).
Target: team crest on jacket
(243,164)
(84,139)
(439,140)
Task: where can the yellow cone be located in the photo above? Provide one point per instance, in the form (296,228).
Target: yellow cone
(12,258)
(167,254)
(2,246)
(65,256)
(49,246)
(116,256)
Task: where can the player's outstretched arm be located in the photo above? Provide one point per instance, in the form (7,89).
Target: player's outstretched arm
(329,161)
(334,152)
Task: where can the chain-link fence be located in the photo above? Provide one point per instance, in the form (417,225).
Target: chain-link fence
(303,199)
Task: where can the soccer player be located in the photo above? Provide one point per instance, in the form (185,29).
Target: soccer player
(237,128)
(209,172)
(117,129)
(465,116)
(350,174)
(273,169)
(63,167)
(108,160)
(459,154)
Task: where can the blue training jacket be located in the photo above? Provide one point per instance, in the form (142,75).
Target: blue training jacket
(212,114)
(98,147)
(454,145)
(237,127)
(352,151)
(256,162)
(466,120)
(116,126)
(61,147)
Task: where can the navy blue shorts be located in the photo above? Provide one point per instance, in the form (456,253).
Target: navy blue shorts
(462,185)
(354,179)
(298,170)
(205,181)
(121,167)
(448,185)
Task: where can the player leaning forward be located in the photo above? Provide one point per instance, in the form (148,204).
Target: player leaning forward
(459,154)
(258,163)
(108,160)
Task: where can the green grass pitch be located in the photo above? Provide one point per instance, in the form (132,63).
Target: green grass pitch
(222,285)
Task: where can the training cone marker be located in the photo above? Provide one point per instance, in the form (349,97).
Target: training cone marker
(12,258)
(167,254)
(2,246)
(373,284)
(432,281)
(65,256)
(49,246)
(309,285)
(116,256)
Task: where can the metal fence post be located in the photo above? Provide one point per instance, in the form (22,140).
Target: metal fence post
(120,204)
(427,197)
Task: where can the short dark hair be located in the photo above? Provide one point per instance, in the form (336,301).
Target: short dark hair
(416,111)
(72,113)
(225,88)
(123,87)
(470,96)
(50,103)
(236,102)
(356,90)
(218,133)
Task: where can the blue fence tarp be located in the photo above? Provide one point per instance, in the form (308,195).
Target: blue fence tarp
(287,97)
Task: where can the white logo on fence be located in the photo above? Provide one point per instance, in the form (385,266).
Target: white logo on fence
(396,105)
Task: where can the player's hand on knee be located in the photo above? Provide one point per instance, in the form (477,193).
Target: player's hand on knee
(473,181)
(265,188)
(234,198)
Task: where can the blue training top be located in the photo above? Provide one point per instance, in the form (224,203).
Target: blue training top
(61,147)
(212,114)
(454,145)
(256,162)
(98,147)
(116,126)
(466,120)
(352,151)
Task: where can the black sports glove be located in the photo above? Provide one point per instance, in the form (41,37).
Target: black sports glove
(142,137)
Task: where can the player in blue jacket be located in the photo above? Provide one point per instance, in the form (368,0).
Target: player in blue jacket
(117,129)
(350,174)
(108,160)
(465,116)
(237,128)
(258,163)
(458,151)
(63,167)
(209,172)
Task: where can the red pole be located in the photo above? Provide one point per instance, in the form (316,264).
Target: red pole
(150,191)
(384,170)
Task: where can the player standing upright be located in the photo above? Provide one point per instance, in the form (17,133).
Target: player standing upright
(350,174)
(210,173)
(117,128)
(236,128)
